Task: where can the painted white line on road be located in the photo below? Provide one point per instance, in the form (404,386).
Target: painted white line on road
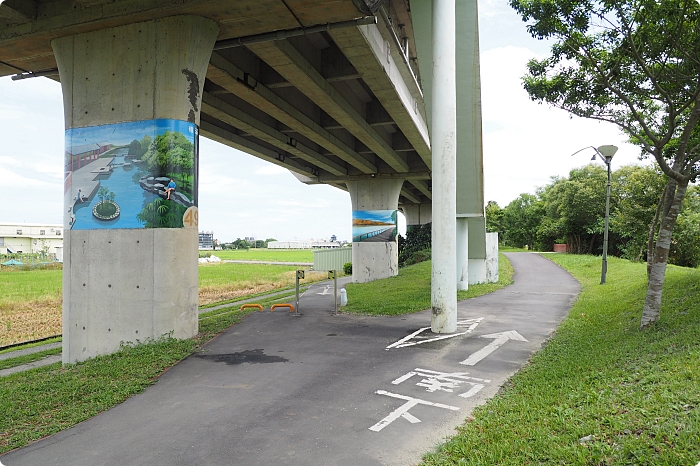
(444,381)
(499,340)
(471,324)
(326,290)
(402,411)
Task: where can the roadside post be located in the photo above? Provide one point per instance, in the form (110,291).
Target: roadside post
(300,274)
(334,275)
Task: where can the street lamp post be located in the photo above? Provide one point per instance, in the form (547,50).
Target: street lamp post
(606,154)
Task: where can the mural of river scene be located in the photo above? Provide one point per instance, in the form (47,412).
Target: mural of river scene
(130,175)
(374,226)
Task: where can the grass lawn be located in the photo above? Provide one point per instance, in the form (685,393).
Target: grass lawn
(601,392)
(264,254)
(409,291)
(30,301)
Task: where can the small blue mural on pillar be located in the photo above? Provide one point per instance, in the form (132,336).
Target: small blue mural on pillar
(140,174)
(378,226)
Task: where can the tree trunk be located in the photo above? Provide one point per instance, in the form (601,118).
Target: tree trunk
(661,211)
(590,245)
(652,303)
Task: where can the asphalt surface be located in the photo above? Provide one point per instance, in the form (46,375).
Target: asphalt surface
(322,389)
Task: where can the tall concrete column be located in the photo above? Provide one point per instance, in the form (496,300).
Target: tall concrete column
(417,214)
(130,270)
(444,145)
(375,250)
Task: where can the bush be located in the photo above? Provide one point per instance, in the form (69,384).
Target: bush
(347,268)
(417,239)
(418,256)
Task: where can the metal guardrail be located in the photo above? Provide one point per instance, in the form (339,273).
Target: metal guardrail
(371,234)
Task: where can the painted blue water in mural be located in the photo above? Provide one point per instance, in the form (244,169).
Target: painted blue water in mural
(140,174)
(130,201)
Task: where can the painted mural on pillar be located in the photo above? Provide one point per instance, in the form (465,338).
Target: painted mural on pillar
(140,174)
(379,226)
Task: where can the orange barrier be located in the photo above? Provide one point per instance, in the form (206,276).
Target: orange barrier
(258,306)
(290,306)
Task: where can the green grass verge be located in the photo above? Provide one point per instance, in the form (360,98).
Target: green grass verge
(272,255)
(27,358)
(409,291)
(32,345)
(601,392)
(46,400)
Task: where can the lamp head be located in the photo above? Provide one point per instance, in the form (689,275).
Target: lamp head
(607,151)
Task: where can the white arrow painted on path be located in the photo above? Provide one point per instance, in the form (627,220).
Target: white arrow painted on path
(499,339)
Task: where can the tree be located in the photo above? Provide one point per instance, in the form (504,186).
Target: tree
(494,217)
(637,190)
(521,219)
(634,63)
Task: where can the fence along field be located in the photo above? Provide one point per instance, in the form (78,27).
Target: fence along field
(30,300)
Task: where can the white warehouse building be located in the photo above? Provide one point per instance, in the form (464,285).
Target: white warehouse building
(31,238)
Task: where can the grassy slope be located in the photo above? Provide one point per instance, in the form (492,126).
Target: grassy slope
(409,291)
(636,393)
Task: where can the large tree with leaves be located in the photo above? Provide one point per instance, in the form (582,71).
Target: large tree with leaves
(634,63)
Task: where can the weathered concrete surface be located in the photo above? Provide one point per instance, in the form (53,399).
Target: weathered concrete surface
(131,284)
(374,260)
(281,390)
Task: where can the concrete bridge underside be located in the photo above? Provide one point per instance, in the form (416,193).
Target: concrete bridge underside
(337,91)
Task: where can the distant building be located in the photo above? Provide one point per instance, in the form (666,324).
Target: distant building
(80,155)
(250,239)
(206,240)
(309,244)
(31,238)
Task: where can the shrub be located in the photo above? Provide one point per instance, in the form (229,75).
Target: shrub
(347,268)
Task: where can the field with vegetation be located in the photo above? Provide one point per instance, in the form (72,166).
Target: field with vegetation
(601,392)
(262,254)
(30,304)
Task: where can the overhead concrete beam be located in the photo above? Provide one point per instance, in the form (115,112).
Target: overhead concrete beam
(236,141)
(18,11)
(410,196)
(230,77)
(422,186)
(292,65)
(380,67)
(411,176)
(227,113)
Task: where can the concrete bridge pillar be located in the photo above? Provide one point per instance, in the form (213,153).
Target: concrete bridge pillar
(417,214)
(375,249)
(132,94)
(444,151)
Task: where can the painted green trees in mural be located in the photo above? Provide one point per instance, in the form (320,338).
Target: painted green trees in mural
(162,213)
(172,155)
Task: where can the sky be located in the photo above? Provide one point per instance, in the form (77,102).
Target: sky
(525,144)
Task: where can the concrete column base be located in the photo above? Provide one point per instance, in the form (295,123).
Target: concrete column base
(137,282)
(375,257)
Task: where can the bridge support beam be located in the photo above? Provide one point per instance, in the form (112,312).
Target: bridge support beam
(374,201)
(131,279)
(417,214)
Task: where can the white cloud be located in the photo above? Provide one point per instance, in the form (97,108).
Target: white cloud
(526,143)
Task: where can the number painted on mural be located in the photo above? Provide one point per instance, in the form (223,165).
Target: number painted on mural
(191,217)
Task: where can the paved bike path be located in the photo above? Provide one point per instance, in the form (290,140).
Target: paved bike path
(322,389)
